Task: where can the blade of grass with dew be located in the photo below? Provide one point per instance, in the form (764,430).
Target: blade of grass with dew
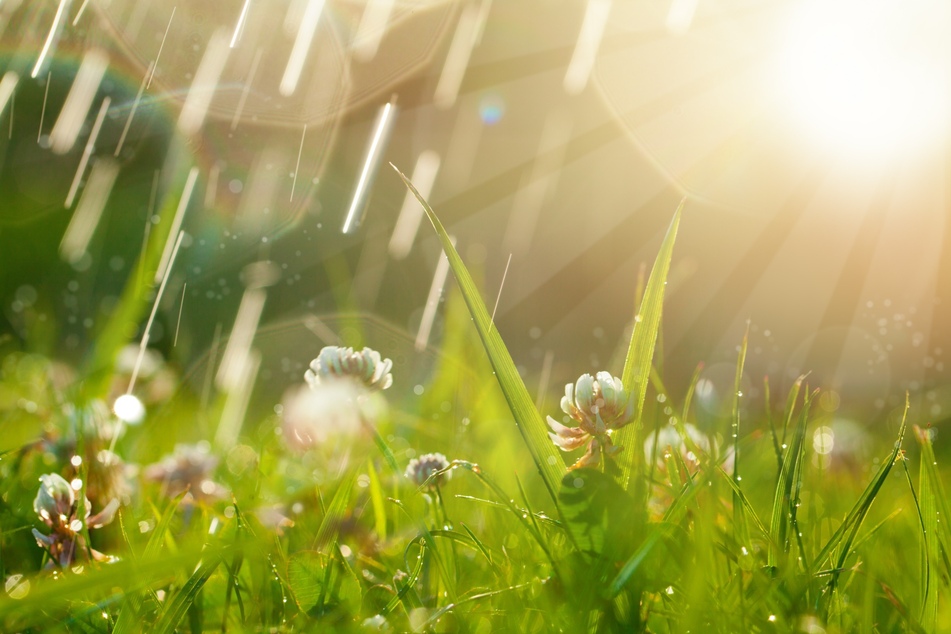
(932,500)
(782,496)
(768,413)
(528,420)
(791,405)
(924,566)
(741,533)
(845,535)
(640,352)
(128,614)
(50,594)
(185,598)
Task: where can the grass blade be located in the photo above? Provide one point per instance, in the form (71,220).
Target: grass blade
(782,497)
(845,535)
(640,352)
(530,424)
(185,597)
(932,502)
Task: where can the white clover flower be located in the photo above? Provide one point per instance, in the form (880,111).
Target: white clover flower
(420,469)
(598,405)
(312,416)
(366,367)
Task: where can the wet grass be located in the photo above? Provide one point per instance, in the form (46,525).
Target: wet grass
(744,522)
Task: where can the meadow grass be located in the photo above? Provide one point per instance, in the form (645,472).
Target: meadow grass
(678,520)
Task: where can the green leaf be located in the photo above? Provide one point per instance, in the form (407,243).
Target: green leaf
(305,576)
(330,523)
(640,352)
(598,513)
(529,422)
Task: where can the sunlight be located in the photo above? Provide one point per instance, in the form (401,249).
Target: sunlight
(866,77)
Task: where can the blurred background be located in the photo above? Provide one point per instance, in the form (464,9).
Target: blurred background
(555,139)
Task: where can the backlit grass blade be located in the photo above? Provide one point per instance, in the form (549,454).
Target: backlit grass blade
(932,502)
(185,597)
(530,423)
(640,352)
(49,595)
(844,537)
(336,511)
(782,496)
(740,530)
(126,622)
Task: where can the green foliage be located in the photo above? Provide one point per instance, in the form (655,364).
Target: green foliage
(336,538)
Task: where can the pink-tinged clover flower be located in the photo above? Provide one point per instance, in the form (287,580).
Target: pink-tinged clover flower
(366,367)
(57,507)
(419,470)
(599,405)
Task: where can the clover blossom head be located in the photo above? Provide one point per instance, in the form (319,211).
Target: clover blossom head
(365,366)
(419,470)
(598,404)
(57,506)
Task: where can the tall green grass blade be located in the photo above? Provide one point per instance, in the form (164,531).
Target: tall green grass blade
(127,620)
(783,507)
(530,423)
(185,598)
(924,567)
(330,523)
(640,352)
(931,500)
(740,530)
(844,537)
(376,498)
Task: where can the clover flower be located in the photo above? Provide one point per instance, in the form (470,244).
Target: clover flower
(57,507)
(366,367)
(420,469)
(189,468)
(599,406)
(313,416)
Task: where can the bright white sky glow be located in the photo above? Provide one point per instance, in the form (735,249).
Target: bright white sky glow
(867,77)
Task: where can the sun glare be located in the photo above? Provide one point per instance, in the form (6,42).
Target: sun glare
(867,78)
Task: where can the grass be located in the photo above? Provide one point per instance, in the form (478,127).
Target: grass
(338,538)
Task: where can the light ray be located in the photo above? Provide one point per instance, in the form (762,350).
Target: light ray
(60,10)
(586,48)
(432,301)
(87,152)
(165,262)
(204,84)
(305,36)
(246,89)
(381,132)
(411,213)
(240,25)
(161,46)
(78,101)
(300,151)
(135,105)
(88,212)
